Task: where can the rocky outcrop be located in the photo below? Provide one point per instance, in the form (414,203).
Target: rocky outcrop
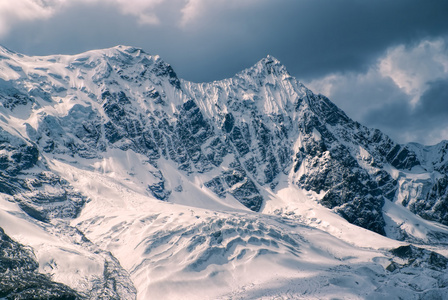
(24,176)
(19,278)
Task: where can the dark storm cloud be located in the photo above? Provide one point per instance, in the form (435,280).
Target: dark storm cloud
(357,94)
(311,38)
(84,27)
(433,103)
(427,121)
(393,115)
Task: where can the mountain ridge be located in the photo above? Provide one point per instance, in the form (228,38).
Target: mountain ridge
(265,89)
(81,133)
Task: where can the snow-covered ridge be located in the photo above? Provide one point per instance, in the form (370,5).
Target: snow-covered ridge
(209,185)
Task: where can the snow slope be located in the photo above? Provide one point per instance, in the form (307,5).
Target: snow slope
(188,252)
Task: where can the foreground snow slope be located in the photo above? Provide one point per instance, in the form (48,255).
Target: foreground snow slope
(128,182)
(182,252)
(211,251)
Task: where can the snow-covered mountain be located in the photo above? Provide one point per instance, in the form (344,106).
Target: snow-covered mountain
(120,180)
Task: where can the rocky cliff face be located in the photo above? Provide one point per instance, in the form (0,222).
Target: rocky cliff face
(426,194)
(39,192)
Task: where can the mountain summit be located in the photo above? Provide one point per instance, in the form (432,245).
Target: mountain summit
(157,186)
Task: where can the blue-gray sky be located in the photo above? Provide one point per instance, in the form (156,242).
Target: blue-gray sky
(384,62)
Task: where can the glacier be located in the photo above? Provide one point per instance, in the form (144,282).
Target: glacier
(119,180)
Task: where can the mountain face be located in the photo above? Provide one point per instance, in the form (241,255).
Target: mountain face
(114,134)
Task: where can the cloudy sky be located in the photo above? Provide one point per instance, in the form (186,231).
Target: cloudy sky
(385,63)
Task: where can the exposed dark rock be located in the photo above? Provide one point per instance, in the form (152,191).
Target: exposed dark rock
(434,206)
(158,190)
(19,278)
(419,257)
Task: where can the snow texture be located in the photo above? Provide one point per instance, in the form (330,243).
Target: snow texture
(128,182)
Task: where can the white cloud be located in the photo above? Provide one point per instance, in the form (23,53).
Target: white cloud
(409,68)
(195,9)
(143,9)
(358,93)
(192,9)
(412,68)
(13,12)
(389,94)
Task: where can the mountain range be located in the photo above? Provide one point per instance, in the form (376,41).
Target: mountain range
(119,180)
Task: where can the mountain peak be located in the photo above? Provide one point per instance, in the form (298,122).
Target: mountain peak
(119,52)
(270,59)
(272,64)
(128,49)
(267,66)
